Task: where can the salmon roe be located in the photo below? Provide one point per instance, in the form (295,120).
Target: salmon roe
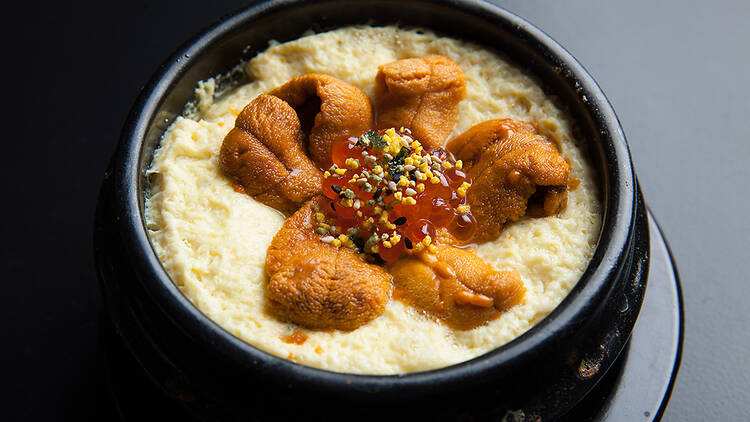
(386,195)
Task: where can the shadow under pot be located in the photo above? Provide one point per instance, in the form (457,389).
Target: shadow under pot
(202,370)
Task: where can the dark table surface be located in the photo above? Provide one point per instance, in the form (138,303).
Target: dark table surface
(677,72)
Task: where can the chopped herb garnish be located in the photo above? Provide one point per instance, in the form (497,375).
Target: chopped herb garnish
(363,141)
(372,241)
(358,242)
(399,158)
(396,164)
(348,194)
(375,139)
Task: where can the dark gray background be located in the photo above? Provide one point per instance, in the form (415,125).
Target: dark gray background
(677,72)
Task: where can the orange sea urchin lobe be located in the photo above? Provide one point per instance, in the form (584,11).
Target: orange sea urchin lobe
(264,153)
(329,109)
(422,94)
(456,286)
(516,171)
(320,286)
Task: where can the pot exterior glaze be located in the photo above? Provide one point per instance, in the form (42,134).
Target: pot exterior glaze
(545,371)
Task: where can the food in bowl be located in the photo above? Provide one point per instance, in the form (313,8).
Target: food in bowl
(222,233)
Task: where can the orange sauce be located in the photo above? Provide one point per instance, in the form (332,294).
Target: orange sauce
(297,337)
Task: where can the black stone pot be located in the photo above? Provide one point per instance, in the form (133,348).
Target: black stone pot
(206,372)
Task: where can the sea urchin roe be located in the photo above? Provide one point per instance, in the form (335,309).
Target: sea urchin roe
(516,170)
(456,286)
(387,195)
(327,286)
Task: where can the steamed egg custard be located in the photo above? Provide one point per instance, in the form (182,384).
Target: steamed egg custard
(381,213)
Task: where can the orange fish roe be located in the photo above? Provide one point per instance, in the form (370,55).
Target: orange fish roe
(386,195)
(297,337)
